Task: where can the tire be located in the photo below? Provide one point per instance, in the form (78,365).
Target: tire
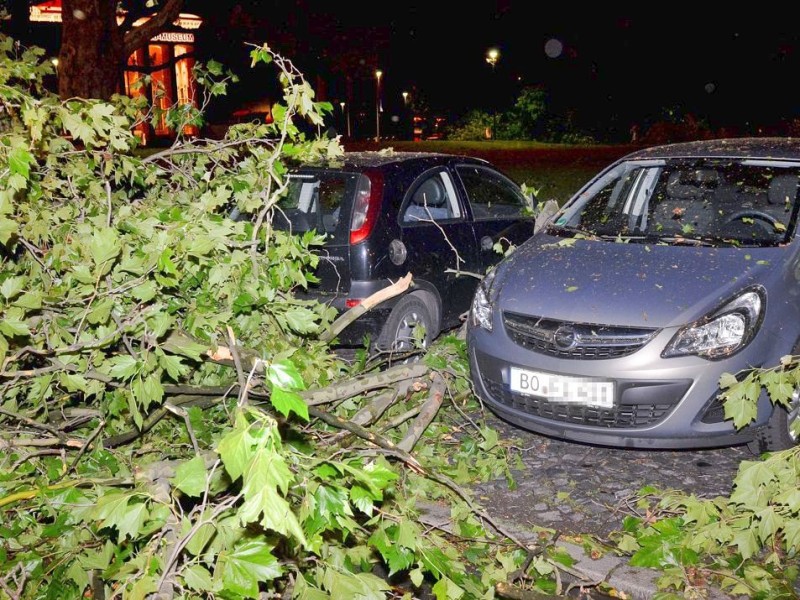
(777,433)
(397,334)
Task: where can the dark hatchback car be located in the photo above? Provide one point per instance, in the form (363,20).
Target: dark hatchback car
(614,323)
(436,216)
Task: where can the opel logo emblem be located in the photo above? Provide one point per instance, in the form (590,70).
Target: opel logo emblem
(565,338)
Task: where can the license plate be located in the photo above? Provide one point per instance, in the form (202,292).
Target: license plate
(561,388)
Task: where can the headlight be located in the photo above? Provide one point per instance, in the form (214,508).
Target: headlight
(722,333)
(481,312)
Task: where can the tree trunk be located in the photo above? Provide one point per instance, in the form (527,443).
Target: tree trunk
(92,58)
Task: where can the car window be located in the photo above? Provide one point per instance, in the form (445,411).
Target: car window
(317,201)
(720,201)
(491,194)
(433,198)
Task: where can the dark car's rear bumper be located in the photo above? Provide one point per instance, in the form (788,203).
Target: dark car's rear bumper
(367,325)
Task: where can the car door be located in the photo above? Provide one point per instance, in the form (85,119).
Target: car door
(439,241)
(500,212)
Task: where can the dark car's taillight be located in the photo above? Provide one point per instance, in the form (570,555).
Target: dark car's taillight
(369,192)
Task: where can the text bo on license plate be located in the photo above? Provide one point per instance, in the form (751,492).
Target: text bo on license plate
(560,388)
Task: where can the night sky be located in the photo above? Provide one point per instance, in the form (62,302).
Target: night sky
(606,67)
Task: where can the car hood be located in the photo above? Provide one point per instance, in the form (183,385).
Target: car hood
(633,284)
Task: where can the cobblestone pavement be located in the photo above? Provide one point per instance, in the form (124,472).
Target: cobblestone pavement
(580,489)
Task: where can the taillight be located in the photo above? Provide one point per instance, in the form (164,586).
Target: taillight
(369,192)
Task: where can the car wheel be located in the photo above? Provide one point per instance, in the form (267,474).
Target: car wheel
(397,334)
(777,433)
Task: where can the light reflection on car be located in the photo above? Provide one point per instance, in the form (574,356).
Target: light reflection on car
(614,323)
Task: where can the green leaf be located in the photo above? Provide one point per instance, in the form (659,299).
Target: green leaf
(142,588)
(7,229)
(79,576)
(779,384)
(745,540)
(445,589)
(362,499)
(190,477)
(123,366)
(727,380)
(285,375)
(198,578)
(172,365)
(13,286)
(104,247)
(246,566)
(11,326)
(132,520)
(20,161)
(300,319)
(740,402)
(30,300)
(408,534)
(235,450)
(101,311)
(770,522)
(285,402)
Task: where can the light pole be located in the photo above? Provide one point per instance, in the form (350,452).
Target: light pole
(346,114)
(408,123)
(492,56)
(378,75)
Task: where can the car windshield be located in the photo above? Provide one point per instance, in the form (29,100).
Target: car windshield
(316,200)
(698,201)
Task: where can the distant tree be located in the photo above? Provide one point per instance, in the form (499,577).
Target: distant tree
(94,47)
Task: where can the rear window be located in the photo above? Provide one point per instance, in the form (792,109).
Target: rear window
(318,201)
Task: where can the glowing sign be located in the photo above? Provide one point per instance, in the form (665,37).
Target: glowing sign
(174,36)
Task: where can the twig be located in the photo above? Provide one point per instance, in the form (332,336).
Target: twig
(238,363)
(395,289)
(400,419)
(367,414)
(31,422)
(156,416)
(367,435)
(181,412)
(108,201)
(88,443)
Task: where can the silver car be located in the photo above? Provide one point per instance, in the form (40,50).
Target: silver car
(614,323)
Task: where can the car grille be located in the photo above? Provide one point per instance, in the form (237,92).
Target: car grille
(574,340)
(619,417)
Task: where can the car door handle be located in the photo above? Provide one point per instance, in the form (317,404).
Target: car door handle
(487,243)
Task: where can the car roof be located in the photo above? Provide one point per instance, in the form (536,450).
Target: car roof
(777,148)
(369,159)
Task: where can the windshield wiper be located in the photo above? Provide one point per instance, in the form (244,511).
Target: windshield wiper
(573,232)
(687,240)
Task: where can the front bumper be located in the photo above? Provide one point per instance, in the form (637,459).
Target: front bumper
(659,403)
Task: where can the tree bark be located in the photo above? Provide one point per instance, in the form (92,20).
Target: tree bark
(92,58)
(94,48)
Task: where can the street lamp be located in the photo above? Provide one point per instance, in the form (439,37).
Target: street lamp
(346,114)
(405,98)
(378,75)
(492,56)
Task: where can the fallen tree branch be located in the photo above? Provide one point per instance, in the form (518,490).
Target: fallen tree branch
(156,416)
(363,383)
(426,414)
(395,289)
(366,415)
(369,436)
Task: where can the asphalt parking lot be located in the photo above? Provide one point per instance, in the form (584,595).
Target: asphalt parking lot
(580,489)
